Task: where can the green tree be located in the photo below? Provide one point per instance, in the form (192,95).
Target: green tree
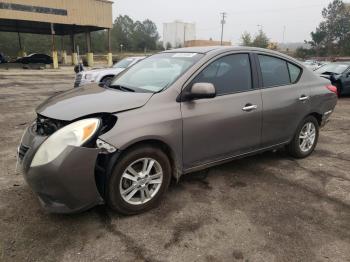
(145,36)
(246,39)
(332,36)
(261,40)
(122,32)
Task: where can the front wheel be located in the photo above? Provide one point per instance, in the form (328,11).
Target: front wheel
(139,180)
(107,81)
(305,138)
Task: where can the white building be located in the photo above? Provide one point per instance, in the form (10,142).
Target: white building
(177,32)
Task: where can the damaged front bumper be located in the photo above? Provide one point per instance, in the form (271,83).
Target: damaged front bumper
(65,185)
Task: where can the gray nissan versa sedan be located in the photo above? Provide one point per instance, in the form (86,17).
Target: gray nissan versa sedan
(171,114)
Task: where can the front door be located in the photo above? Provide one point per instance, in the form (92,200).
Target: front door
(229,124)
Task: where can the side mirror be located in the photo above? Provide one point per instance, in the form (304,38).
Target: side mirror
(200,91)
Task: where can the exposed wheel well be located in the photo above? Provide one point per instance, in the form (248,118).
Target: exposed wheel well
(165,148)
(103,78)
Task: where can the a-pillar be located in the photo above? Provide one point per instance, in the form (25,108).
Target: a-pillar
(74,51)
(63,52)
(109,55)
(89,54)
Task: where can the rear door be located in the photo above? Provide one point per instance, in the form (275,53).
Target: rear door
(285,100)
(229,124)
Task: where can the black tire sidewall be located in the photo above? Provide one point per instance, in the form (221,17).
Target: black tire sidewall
(294,147)
(114,198)
(106,80)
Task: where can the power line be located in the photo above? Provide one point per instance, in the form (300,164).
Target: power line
(223,22)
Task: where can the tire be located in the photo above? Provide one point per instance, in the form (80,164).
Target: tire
(295,148)
(135,157)
(107,81)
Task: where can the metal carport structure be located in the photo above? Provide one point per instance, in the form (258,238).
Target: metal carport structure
(58,17)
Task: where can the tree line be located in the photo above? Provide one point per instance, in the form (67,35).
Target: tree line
(332,36)
(126,34)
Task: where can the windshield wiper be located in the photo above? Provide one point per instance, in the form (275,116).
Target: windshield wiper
(122,88)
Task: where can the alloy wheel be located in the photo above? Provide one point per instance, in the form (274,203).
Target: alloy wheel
(307,137)
(141,181)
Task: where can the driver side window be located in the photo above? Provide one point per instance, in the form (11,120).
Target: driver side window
(229,74)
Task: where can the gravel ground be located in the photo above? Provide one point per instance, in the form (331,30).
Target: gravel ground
(269,207)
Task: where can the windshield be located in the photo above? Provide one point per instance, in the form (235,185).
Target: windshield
(124,63)
(332,68)
(156,72)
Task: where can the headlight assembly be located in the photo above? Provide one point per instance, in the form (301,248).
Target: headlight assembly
(75,134)
(89,77)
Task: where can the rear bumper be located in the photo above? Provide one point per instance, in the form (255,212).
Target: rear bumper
(66,184)
(325,118)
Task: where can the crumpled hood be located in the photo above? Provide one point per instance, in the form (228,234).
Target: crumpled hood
(90,99)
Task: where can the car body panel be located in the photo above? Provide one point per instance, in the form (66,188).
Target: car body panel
(66,184)
(207,123)
(80,102)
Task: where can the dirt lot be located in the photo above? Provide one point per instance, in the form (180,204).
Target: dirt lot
(264,208)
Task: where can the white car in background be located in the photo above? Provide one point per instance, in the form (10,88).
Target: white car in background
(105,75)
(312,64)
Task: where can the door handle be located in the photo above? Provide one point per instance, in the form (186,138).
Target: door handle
(249,107)
(304,98)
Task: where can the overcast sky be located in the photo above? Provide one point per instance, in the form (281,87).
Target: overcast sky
(299,17)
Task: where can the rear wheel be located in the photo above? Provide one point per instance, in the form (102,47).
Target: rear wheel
(305,139)
(139,180)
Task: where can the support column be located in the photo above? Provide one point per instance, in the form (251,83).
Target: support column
(21,51)
(63,52)
(109,55)
(74,51)
(89,54)
(53,49)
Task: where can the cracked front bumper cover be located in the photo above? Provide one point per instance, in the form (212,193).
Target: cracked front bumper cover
(66,184)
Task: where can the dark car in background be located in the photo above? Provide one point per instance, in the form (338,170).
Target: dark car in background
(35,59)
(2,58)
(171,114)
(339,74)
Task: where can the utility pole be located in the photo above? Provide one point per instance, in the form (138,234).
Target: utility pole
(223,22)
(284,33)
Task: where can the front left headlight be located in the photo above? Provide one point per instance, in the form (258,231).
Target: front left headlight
(89,77)
(75,134)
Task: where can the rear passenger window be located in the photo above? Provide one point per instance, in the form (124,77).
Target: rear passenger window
(274,71)
(228,74)
(294,72)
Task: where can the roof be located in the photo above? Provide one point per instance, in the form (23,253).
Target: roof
(207,49)
(223,49)
(36,16)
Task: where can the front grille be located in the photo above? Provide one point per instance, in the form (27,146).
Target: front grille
(22,150)
(47,126)
(78,78)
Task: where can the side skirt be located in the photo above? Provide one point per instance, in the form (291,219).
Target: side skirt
(229,159)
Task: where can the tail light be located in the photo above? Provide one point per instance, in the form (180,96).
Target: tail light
(332,88)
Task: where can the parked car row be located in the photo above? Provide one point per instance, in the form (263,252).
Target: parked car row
(170,114)
(339,74)
(104,75)
(312,64)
